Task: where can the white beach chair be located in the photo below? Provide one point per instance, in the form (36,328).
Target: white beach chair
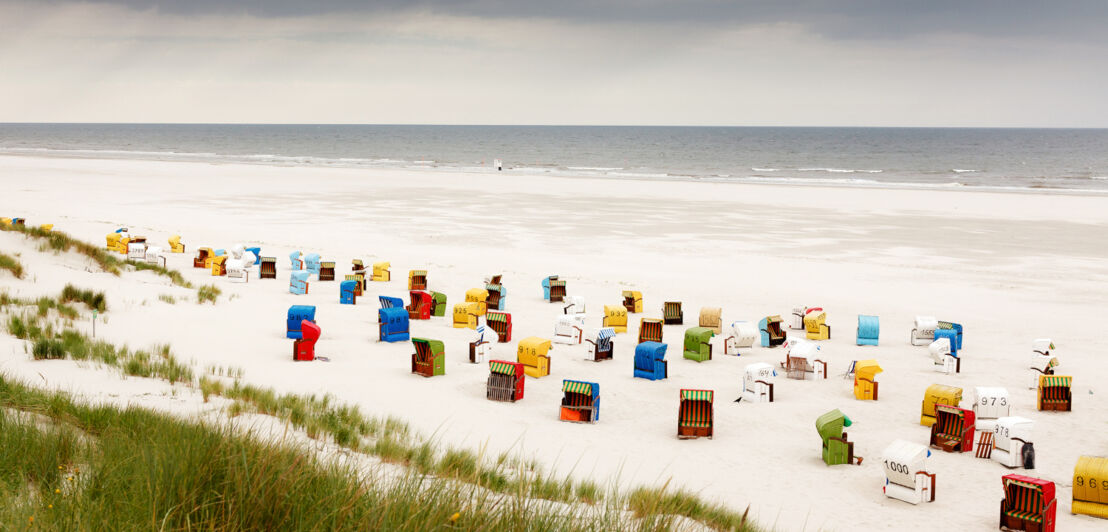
(574,305)
(945,362)
(989,404)
(924,331)
(1043,361)
(796,319)
(155,255)
(906,472)
(482,345)
(758,380)
(1012,441)
(237,251)
(743,335)
(815,363)
(136,251)
(238,271)
(569,329)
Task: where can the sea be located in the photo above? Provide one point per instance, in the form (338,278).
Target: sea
(1063,160)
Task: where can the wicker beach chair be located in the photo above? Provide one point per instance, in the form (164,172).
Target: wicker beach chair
(672,313)
(695,415)
(429,358)
(580,402)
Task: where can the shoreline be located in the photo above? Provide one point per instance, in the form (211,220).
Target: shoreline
(525,172)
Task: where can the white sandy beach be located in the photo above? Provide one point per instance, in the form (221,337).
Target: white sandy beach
(1009,267)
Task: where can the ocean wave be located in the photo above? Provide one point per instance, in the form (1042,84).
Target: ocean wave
(765,169)
(840,170)
(596,168)
(962,171)
(1098,177)
(637,174)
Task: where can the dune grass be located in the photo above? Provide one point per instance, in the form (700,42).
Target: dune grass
(10,263)
(104,468)
(208,293)
(389,439)
(93,300)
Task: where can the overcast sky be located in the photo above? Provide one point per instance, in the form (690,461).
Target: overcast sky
(689,62)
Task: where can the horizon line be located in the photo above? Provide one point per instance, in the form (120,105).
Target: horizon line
(91,123)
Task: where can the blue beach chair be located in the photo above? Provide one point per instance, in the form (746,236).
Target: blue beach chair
(650,361)
(297,314)
(869,329)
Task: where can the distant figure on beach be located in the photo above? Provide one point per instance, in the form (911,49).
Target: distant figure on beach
(498,164)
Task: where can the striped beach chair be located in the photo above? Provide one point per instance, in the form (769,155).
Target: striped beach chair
(770,329)
(557,290)
(650,330)
(603,346)
(429,358)
(506,380)
(501,322)
(580,401)
(546,286)
(497,294)
(1055,393)
(326,271)
(953,429)
(672,313)
(694,417)
(1029,504)
(417,279)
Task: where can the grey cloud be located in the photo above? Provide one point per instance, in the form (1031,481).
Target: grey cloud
(1068,20)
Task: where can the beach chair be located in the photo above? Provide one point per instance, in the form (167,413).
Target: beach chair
(532,353)
(650,361)
(358,267)
(348,292)
(956,340)
(1012,442)
(392,324)
(202,258)
(1090,497)
(438,304)
(136,250)
(869,329)
(557,290)
(770,328)
(429,358)
(1055,393)
(951,336)
(303,348)
(501,322)
(796,318)
(420,308)
(155,255)
(175,245)
(480,296)
(1043,360)
(953,429)
(573,305)
(298,282)
(381,272)
(296,262)
(569,329)
(256,252)
(698,345)
(497,297)
(907,477)
(650,330)
(989,404)
(417,279)
(602,346)
(865,379)
(112,241)
(580,402)
(313,264)
(268,268)
(297,314)
(801,362)
(546,286)
(465,315)
(326,271)
(938,394)
(238,271)
(743,335)
(710,317)
(945,361)
(481,347)
(616,318)
(923,332)
(758,380)
(695,414)
(219,266)
(672,313)
(505,382)
(47,227)
(815,325)
(632,301)
(837,447)
(1028,504)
